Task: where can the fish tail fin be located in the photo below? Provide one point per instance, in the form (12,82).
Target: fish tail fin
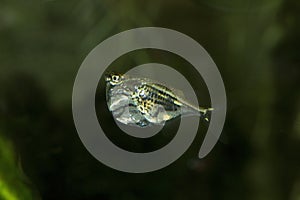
(205,113)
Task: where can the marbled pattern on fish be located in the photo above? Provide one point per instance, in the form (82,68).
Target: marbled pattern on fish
(142,102)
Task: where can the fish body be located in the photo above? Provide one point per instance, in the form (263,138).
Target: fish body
(142,102)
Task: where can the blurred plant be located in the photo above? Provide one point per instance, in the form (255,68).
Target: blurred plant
(13,184)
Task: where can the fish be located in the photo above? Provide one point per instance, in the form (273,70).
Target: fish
(143,102)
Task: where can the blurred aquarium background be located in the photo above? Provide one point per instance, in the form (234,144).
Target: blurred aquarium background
(256,46)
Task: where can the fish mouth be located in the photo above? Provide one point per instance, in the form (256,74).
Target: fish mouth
(107,78)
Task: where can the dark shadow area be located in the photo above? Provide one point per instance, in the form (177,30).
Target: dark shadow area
(256,47)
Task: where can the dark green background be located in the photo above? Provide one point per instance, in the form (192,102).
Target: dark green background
(256,47)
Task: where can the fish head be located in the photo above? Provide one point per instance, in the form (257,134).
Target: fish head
(114,78)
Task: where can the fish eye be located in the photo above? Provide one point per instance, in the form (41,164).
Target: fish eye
(115,78)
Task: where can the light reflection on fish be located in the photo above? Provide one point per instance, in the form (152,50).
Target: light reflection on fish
(142,102)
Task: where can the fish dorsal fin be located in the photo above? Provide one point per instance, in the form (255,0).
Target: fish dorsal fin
(178,93)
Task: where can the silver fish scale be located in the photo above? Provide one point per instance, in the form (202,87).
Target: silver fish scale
(147,95)
(142,102)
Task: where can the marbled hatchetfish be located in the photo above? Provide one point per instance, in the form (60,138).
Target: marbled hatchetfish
(142,102)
